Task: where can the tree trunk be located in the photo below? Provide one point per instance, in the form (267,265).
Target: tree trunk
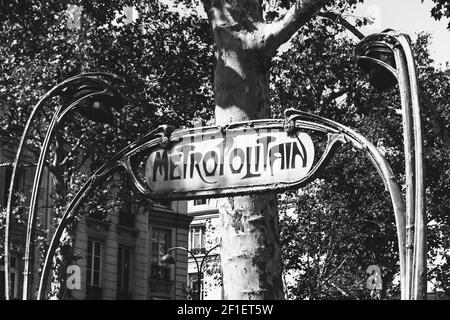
(250,252)
(244,47)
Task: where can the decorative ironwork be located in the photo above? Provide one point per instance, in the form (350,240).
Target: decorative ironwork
(86,91)
(281,154)
(387,58)
(301,121)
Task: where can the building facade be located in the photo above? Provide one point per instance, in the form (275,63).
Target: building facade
(23,182)
(204,246)
(118,257)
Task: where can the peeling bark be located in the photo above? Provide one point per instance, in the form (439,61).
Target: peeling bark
(250,248)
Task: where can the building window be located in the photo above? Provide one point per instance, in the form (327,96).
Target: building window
(19,184)
(126,216)
(197,239)
(94,262)
(160,246)
(193,287)
(123,273)
(14,278)
(200,202)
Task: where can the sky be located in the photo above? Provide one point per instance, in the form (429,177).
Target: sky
(411,17)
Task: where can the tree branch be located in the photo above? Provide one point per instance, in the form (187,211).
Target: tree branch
(74,148)
(343,292)
(338,19)
(206,5)
(337,269)
(214,11)
(327,260)
(279,32)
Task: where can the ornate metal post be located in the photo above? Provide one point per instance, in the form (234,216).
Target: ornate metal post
(167,258)
(136,158)
(387,57)
(340,133)
(122,158)
(85,92)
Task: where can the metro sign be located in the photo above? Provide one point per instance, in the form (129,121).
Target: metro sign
(240,158)
(244,156)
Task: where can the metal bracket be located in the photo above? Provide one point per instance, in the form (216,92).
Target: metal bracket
(166,135)
(289,126)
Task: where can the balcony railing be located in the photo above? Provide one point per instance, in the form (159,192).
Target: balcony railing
(94,293)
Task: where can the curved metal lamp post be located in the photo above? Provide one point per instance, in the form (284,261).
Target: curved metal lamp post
(119,159)
(88,93)
(387,58)
(162,137)
(340,133)
(168,259)
(295,120)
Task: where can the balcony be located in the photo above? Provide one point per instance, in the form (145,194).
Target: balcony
(94,293)
(161,285)
(160,273)
(161,288)
(198,251)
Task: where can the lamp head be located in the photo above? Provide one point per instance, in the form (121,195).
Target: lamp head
(98,109)
(167,259)
(373,57)
(97,97)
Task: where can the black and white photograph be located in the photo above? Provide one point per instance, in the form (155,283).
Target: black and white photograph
(260,152)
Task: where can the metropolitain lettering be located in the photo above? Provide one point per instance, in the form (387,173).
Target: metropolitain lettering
(235,158)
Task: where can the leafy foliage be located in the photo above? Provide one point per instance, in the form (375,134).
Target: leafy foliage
(336,227)
(441,10)
(163,56)
(340,224)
